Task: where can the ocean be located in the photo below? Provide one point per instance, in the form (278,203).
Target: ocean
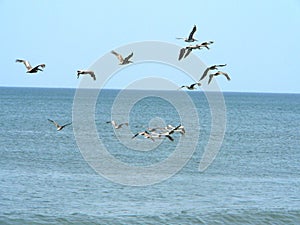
(46,178)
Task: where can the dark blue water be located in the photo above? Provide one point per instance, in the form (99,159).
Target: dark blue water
(44,179)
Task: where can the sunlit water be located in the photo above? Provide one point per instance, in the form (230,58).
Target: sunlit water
(255,178)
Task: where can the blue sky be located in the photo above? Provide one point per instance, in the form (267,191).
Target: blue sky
(259,40)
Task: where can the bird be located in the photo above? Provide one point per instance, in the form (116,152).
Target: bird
(155,135)
(168,128)
(217,74)
(59,127)
(191,87)
(206,44)
(190,37)
(214,67)
(145,133)
(121,59)
(84,72)
(117,126)
(29,68)
(180,129)
(187,50)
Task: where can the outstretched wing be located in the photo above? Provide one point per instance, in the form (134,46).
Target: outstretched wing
(26,63)
(66,125)
(205,73)
(135,135)
(37,67)
(170,138)
(122,124)
(52,121)
(120,58)
(226,75)
(181,53)
(210,78)
(188,52)
(192,33)
(128,57)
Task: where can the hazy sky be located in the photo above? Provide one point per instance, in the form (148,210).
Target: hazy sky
(259,40)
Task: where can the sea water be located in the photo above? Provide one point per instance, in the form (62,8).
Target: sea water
(254,179)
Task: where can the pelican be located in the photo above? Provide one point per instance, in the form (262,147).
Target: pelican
(214,67)
(190,37)
(217,74)
(180,129)
(115,125)
(145,133)
(155,135)
(168,128)
(121,59)
(29,68)
(84,72)
(206,44)
(59,127)
(191,87)
(187,50)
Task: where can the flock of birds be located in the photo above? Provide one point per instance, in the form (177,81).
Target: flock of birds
(156,132)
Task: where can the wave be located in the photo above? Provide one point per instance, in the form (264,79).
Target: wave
(237,217)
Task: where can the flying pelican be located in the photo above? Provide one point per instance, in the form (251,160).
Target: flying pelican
(217,74)
(168,128)
(29,68)
(115,125)
(179,129)
(121,59)
(155,135)
(214,67)
(191,87)
(206,44)
(190,37)
(59,127)
(84,72)
(145,133)
(187,50)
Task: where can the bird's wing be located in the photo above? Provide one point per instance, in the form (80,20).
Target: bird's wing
(170,138)
(52,121)
(221,65)
(192,32)
(66,125)
(120,58)
(226,75)
(210,78)
(205,73)
(128,57)
(126,124)
(181,53)
(92,74)
(135,135)
(193,85)
(188,52)
(26,63)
